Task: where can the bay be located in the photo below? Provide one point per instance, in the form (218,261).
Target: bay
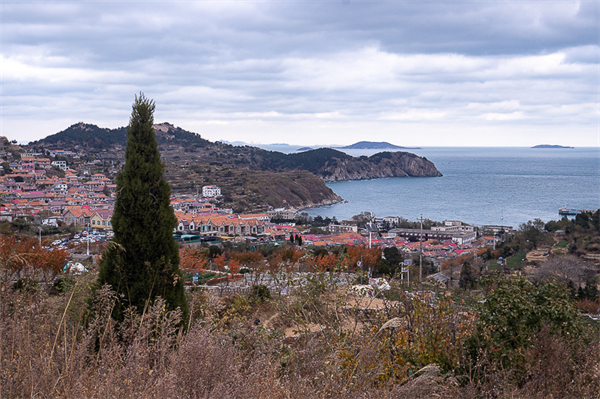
(507,186)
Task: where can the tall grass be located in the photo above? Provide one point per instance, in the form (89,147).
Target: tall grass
(61,347)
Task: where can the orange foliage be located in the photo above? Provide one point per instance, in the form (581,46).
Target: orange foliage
(370,256)
(325,263)
(220,261)
(481,251)
(192,260)
(234,266)
(273,263)
(25,257)
(291,254)
(248,257)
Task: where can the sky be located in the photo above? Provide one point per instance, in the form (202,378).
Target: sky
(412,73)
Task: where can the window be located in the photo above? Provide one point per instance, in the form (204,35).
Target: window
(93,222)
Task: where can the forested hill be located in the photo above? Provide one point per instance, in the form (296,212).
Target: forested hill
(91,137)
(179,146)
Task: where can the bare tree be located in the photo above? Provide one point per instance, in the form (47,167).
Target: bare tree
(562,268)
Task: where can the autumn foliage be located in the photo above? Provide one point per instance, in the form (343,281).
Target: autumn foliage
(248,258)
(23,257)
(192,260)
(371,257)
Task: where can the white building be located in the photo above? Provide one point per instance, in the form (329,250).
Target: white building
(60,164)
(455,226)
(282,213)
(342,228)
(211,191)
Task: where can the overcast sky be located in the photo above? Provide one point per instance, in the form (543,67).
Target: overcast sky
(415,73)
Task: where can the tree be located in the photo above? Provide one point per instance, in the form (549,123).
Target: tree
(516,311)
(371,257)
(560,268)
(192,260)
(393,256)
(143,261)
(467,276)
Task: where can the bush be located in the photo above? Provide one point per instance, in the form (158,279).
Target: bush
(511,317)
(26,285)
(260,293)
(64,284)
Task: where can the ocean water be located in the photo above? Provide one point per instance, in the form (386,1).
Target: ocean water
(507,186)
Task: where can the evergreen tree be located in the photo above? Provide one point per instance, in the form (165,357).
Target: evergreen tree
(572,290)
(143,262)
(591,290)
(467,277)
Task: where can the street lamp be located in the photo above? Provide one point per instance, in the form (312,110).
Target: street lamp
(40,229)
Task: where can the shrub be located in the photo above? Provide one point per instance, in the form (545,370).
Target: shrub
(260,293)
(64,284)
(26,285)
(509,319)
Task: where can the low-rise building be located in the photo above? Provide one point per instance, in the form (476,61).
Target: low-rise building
(211,191)
(101,219)
(282,213)
(61,164)
(342,228)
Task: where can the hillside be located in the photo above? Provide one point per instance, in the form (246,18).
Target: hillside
(186,148)
(251,176)
(246,189)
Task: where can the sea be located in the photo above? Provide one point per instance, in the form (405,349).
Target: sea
(481,186)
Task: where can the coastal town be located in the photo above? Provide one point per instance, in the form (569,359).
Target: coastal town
(67,192)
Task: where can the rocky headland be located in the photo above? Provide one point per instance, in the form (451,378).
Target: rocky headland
(251,174)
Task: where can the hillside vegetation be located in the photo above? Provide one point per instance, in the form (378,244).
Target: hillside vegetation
(181,147)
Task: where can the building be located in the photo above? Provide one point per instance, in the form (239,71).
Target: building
(211,191)
(282,214)
(459,237)
(343,228)
(495,229)
(218,225)
(454,225)
(101,219)
(61,164)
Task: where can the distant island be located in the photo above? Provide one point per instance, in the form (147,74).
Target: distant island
(551,146)
(305,149)
(375,145)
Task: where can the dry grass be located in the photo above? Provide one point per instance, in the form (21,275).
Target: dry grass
(51,347)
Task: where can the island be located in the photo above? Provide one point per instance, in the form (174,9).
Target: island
(551,146)
(375,145)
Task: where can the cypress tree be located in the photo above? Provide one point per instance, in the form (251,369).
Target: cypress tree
(143,262)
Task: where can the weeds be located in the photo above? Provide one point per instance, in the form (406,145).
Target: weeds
(323,342)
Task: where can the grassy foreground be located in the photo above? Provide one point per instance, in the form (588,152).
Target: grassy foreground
(323,341)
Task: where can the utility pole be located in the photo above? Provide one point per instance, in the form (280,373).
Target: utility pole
(360,264)
(421,252)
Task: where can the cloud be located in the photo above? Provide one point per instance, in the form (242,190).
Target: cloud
(326,66)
